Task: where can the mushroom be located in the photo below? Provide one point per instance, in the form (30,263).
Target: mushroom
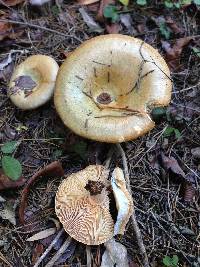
(82,205)
(124,201)
(33,82)
(107,87)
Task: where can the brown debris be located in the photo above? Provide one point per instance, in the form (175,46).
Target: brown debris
(51,170)
(6,182)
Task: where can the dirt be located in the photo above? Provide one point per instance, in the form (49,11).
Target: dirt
(164,171)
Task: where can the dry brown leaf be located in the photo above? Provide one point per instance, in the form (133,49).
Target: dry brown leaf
(6,183)
(43,234)
(173,26)
(173,53)
(87,2)
(13,2)
(7,30)
(114,255)
(196,152)
(113,28)
(170,163)
(37,252)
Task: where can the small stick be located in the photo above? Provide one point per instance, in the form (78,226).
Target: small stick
(134,221)
(62,249)
(89,259)
(49,248)
(41,28)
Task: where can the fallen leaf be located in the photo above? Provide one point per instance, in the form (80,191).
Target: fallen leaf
(113,28)
(170,163)
(38,2)
(37,252)
(196,152)
(8,212)
(43,234)
(2,199)
(7,30)
(6,183)
(114,255)
(189,192)
(173,26)
(67,254)
(13,2)
(87,2)
(24,83)
(6,61)
(173,53)
(93,26)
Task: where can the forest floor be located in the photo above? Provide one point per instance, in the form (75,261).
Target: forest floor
(164,165)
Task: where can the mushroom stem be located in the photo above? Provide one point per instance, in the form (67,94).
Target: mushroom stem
(133,217)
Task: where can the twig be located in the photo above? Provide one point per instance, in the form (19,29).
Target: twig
(41,28)
(109,157)
(88,253)
(134,221)
(49,248)
(62,249)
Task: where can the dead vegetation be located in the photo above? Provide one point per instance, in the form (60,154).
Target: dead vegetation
(164,167)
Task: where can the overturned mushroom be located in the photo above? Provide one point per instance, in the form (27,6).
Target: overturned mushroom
(82,206)
(33,82)
(106,88)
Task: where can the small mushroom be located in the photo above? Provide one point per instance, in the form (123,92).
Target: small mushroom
(82,206)
(107,87)
(33,82)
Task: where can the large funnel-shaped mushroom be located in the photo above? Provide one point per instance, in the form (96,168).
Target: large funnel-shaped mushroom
(106,88)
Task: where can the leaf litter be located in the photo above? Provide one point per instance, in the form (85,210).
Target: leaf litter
(166,186)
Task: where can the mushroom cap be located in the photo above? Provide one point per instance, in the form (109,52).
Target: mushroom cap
(107,86)
(85,217)
(41,71)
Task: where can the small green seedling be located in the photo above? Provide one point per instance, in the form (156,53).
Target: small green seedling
(141,2)
(171,262)
(111,12)
(11,166)
(170,131)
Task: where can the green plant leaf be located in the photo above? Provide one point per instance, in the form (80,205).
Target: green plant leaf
(164,30)
(9,147)
(158,112)
(141,2)
(175,260)
(111,12)
(169,4)
(196,51)
(124,2)
(80,149)
(171,262)
(177,133)
(169,131)
(11,167)
(197,2)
